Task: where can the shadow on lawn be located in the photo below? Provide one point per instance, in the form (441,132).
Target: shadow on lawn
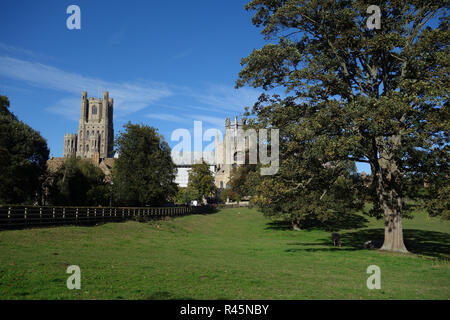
(344,222)
(164,295)
(423,242)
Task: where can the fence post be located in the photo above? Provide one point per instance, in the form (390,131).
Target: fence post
(40,215)
(25,216)
(76,215)
(9,215)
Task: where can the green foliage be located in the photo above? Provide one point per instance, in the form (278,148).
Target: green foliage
(144,173)
(228,194)
(23,157)
(352,94)
(201,180)
(4,107)
(78,182)
(438,195)
(244,179)
(186,195)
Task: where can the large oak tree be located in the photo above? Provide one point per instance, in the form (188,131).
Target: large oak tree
(354,93)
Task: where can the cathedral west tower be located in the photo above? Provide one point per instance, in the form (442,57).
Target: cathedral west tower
(95,136)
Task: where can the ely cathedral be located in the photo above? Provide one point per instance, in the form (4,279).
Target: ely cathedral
(95,139)
(95,136)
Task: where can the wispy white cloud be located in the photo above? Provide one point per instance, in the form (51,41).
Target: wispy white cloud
(182,54)
(67,108)
(227,98)
(186,118)
(6,48)
(211,103)
(128,97)
(218,122)
(166,117)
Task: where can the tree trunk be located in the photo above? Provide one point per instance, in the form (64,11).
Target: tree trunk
(389,190)
(391,202)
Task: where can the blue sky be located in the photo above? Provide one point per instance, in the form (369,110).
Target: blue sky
(165,63)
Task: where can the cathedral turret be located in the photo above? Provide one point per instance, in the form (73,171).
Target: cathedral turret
(70,144)
(84,104)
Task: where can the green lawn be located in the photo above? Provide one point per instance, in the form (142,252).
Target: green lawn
(234,254)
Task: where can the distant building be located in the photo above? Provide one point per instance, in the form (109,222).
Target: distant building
(95,136)
(227,153)
(95,139)
(221,162)
(184,167)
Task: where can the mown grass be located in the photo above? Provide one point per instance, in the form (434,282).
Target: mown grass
(234,254)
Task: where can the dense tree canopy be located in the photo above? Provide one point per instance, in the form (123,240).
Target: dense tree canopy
(354,93)
(23,157)
(201,180)
(243,180)
(144,173)
(186,195)
(78,182)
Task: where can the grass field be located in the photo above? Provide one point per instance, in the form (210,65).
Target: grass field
(234,254)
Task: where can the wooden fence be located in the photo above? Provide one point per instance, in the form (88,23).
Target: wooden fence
(16,217)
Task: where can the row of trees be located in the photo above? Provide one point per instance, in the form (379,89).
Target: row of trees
(143,175)
(352,93)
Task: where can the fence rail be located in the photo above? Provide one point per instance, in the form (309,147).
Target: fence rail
(16,217)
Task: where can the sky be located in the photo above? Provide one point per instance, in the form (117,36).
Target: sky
(165,63)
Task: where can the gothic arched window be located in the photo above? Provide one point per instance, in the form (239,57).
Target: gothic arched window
(94,110)
(87,148)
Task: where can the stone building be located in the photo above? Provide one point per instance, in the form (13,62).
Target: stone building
(184,167)
(227,152)
(221,162)
(95,136)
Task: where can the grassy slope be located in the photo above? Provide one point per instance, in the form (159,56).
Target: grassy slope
(235,254)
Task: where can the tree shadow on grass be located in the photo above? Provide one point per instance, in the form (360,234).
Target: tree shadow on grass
(279,225)
(422,242)
(164,295)
(342,222)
